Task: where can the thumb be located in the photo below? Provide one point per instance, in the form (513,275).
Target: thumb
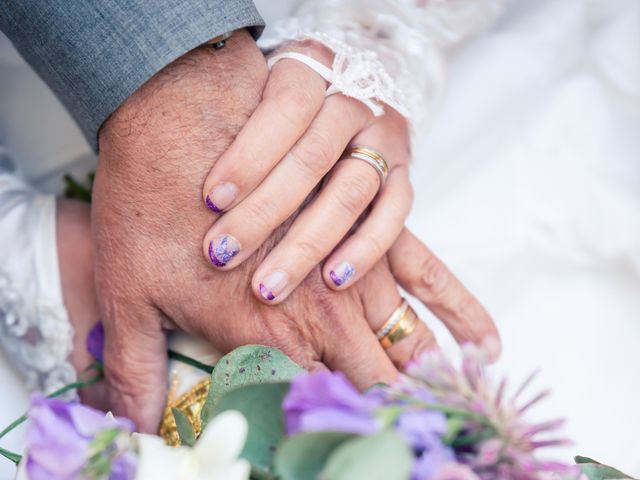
(135,362)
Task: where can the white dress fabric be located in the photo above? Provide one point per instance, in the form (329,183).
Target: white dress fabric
(390,51)
(528,187)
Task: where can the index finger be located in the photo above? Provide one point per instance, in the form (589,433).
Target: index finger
(292,98)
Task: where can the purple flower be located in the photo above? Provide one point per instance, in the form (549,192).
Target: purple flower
(423,430)
(63,436)
(325,401)
(95,342)
(511,451)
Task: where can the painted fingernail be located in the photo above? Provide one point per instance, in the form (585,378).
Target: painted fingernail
(221,196)
(222,249)
(273,285)
(342,273)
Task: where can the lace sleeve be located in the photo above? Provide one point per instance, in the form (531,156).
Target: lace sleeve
(392,51)
(35,331)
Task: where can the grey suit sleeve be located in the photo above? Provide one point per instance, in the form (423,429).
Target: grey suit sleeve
(95,53)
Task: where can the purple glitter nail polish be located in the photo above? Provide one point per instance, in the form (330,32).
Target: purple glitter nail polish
(212,206)
(221,197)
(273,285)
(227,247)
(342,273)
(266,292)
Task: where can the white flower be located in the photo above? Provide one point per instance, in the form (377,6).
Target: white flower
(213,457)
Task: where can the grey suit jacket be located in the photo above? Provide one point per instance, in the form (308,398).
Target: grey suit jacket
(95,53)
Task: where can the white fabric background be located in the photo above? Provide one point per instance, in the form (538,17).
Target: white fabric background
(527,185)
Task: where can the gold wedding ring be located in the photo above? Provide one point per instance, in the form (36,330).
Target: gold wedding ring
(371,157)
(400,324)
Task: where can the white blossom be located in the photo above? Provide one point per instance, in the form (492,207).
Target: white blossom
(213,457)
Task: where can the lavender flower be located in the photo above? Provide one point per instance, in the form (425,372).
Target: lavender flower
(95,342)
(423,430)
(327,401)
(73,441)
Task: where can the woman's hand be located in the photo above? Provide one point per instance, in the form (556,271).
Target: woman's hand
(290,143)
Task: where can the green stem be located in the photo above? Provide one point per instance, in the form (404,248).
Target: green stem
(449,410)
(190,361)
(472,439)
(14,457)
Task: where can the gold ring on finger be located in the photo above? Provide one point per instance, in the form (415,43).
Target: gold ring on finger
(371,157)
(400,324)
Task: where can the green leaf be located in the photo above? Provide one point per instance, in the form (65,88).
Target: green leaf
(455,425)
(184,427)
(262,407)
(384,456)
(248,365)
(302,457)
(597,471)
(388,415)
(75,189)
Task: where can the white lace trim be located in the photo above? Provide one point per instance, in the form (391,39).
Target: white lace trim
(390,51)
(34,325)
(37,337)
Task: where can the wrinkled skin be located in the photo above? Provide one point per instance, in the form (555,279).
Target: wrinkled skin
(148,219)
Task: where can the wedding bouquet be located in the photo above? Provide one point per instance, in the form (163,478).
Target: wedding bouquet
(264,417)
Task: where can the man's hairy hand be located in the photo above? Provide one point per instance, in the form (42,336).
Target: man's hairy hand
(148,220)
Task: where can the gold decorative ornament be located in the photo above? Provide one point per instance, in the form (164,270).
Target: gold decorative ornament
(191,404)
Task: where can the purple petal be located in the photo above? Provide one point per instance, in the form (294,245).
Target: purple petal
(422,428)
(124,468)
(324,396)
(60,435)
(95,342)
(430,463)
(329,419)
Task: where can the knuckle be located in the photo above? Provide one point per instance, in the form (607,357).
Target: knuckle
(309,251)
(315,153)
(248,157)
(294,102)
(375,247)
(264,215)
(433,278)
(355,194)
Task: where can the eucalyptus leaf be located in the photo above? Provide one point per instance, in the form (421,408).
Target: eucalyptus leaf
(184,427)
(262,407)
(247,365)
(597,471)
(302,457)
(384,456)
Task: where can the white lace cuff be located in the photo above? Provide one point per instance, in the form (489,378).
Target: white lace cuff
(388,51)
(34,325)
